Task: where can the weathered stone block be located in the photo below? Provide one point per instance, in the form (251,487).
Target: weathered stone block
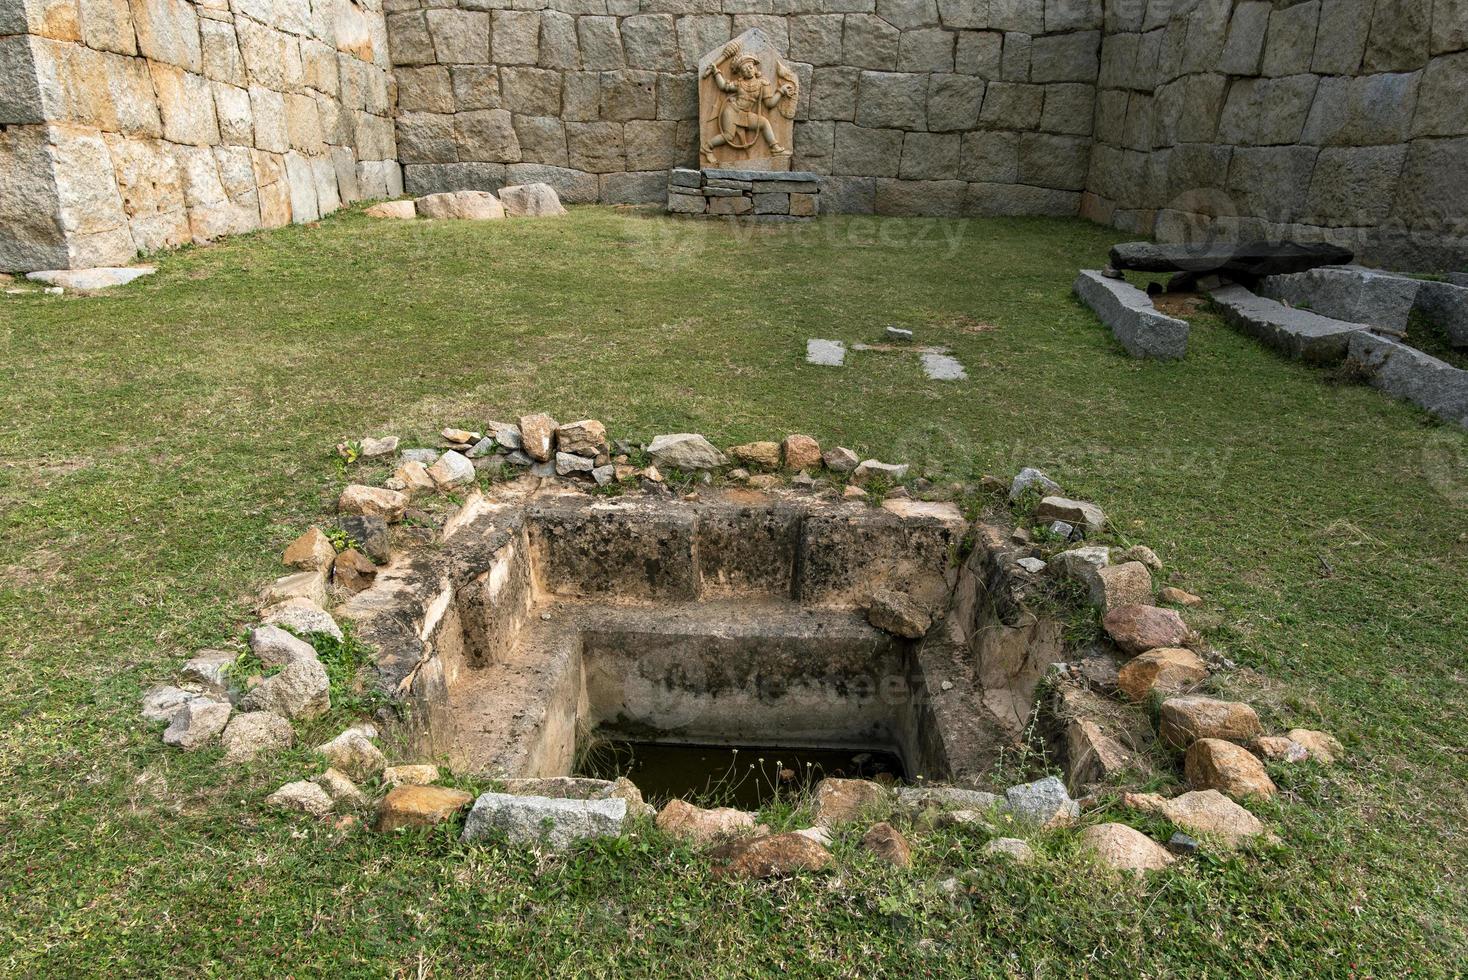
(1068,109)
(653,145)
(931,49)
(273,58)
(474,87)
(930,156)
(595,147)
(1363,111)
(1014,63)
(486,135)
(869,42)
(628,93)
(816,38)
(1054,161)
(864,152)
(985,200)
(515,37)
(1267,110)
(651,41)
(1354,185)
(426,89)
(559,46)
(542,139)
(425,137)
(107,25)
(833,93)
(1409,374)
(1399,36)
(1340,41)
(168,31)
(954,102)
(459,36)
(1442,97)
(920,197)
(991,157)
(601,42)
(1066,57)
(186,105)
(1017,15)
(979,53)
(892,100)
(700,33)
(532,91)
(1011,105)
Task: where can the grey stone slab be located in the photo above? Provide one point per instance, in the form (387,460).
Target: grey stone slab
(1430,384)
(943,367)
(1129,314)
(1445,304)
(685,177)
(786,187)
(557,823)
(827,353)
(1299,333)
(726,174)
(1351,293)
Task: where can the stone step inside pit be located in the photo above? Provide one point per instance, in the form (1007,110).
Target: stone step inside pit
(739,618)
(758,194)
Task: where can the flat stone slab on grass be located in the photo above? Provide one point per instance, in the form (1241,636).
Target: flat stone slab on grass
(1129,313)
(1298,333)
(1248,260)
(1350,293)
(557,823)
(943,367)
(1432,385)
(87,280)
(826,353)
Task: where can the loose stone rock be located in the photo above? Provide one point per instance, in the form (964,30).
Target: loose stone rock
(1212,763)
(353,571)
(685,451)
(870,467)
(484,447)
(554,823)
(89,280)
(538,436)
(1012,848)
(568,464)
(1166,669)
(400,210)
(300,585)
(354,754)
(942,367)
(1075,512)
(1181,843)
(161,703)
(689,822)
(416,775)
(508,436)
(820,835)
(604,475)
(946,797)
(1323,747)
(764,454)
(1044,802)
(582,788)
(340,788)
(898,614)
(196,723)
(1139,628)
(1031,477)
(425,456)
(773,856)
(801,452)
(461,205)
(1143,554)
(253,733)
(1179,598)
(373,448)
(1081,564)
(765,481)
(1279,748)
(887,843)
(419,806)
(302,616)
(209,668)
(853,493)
(302,796)
(838,801)
(585,438)
(1184,720)
(1120,585)
(452,470)
(537,200)
(311,551)
(840,460)
(373,501)
(1121,848)
(1207,813)
(370,535)
(300,690)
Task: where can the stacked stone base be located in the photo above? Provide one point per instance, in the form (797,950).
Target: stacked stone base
(754,194)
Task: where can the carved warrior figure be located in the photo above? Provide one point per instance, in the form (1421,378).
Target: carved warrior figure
(740,111)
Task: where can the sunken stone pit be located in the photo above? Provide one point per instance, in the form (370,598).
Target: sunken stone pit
(551,618)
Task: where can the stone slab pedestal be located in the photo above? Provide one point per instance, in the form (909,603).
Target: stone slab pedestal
(754,194)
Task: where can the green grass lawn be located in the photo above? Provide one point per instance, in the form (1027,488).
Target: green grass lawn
(161,444)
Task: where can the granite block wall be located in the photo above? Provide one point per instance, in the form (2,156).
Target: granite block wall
(134,125)
(944,107)
(1335,120)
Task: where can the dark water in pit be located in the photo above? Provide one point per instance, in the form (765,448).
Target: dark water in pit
(746,776)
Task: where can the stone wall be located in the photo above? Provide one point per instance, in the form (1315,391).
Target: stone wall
(946,107)
(1336,120)
(133,125)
